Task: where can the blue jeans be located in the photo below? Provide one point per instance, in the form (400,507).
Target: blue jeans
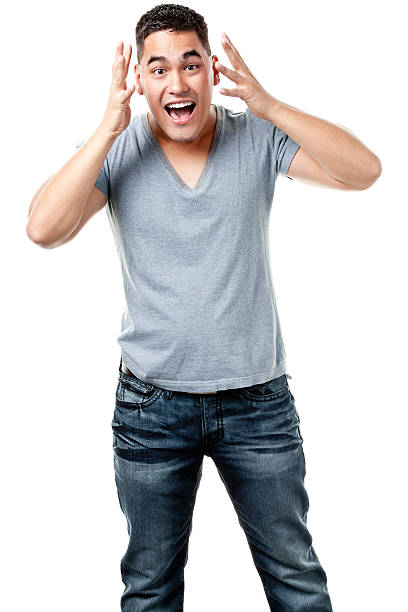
(252,434)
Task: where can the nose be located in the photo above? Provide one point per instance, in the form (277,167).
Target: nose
(177,84)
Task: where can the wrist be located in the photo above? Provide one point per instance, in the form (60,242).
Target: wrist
(105,136)
(274,107)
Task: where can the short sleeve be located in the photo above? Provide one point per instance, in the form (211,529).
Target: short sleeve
(103,181)
(284,149)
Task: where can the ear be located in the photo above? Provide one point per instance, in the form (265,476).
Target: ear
(216,72)
(138,80)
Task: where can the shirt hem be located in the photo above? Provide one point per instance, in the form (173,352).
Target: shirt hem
(288,156)
(203,386)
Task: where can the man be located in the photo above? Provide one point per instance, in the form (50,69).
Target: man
(189,188)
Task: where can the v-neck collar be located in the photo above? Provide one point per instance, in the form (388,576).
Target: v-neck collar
(213,147)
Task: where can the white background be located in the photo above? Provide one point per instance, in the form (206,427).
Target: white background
(339,269)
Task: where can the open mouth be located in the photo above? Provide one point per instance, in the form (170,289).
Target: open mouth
(183,115)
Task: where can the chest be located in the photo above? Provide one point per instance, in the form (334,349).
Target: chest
(188,167)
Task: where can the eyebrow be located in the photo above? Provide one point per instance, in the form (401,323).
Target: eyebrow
(164,60)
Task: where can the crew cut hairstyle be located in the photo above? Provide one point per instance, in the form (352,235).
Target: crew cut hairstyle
(173,17)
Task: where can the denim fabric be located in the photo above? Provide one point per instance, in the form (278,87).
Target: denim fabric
(252,434)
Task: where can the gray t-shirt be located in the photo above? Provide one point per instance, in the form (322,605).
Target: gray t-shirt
(200,311)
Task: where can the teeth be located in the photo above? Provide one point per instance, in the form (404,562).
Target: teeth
(180,105)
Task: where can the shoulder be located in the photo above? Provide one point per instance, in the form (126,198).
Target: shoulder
(126,142)
(246,120)
(130,132)
(233,116)
(248,127)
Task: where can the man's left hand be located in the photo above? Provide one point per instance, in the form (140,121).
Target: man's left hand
(258,100)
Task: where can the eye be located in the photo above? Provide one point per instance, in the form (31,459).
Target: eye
(193,65)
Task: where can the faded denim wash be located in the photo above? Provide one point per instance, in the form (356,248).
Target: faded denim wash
(252,434)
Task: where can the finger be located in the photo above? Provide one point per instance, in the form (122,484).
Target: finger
(230,92)
(233,47)
(230,74)
(128,56)
(229,42)
(232,52)
(115,66)
(120,72)
(117,53)
(127,95)
(126,64)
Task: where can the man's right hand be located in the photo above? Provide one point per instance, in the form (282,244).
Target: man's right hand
(117,114)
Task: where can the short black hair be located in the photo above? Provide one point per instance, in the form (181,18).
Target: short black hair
(173,17)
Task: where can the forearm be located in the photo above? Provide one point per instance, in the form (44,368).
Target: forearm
(336,150)
(57,209)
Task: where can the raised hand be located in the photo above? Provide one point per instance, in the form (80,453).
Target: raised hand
(258,100)
(118,113)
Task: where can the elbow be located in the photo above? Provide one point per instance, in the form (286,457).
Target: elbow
(35,236)
(377,170)
(372,176)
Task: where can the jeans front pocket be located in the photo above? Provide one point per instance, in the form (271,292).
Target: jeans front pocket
(133,393)
(269,390)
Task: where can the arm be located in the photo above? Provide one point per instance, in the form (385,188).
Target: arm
(64,203)
(329,155)
(37,195)
(58,206)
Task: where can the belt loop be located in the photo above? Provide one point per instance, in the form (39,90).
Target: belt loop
(168,393)
(120,364)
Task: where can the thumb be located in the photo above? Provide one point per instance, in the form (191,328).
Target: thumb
(129,91)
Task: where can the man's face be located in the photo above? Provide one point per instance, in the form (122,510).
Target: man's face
(184,73)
